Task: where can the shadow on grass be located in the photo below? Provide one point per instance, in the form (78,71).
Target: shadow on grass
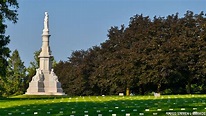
(58,106)
(31,97)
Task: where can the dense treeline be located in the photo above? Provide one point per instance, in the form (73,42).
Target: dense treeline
(163,54)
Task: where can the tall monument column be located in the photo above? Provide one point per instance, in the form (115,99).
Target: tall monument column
(45,82)
(45,55)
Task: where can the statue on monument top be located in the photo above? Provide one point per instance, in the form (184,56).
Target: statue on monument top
(46,21)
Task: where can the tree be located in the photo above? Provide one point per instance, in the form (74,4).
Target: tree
(16,75)
(8,11)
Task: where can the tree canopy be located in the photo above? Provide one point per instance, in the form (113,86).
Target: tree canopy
(163,54)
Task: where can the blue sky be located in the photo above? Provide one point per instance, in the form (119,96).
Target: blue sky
(81,24)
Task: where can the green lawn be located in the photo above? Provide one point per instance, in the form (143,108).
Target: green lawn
(104,106)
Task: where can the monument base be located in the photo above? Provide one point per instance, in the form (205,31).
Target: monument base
(44,93)
(45,83)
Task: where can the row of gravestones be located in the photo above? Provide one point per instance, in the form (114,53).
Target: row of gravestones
(98,111)
(121,110)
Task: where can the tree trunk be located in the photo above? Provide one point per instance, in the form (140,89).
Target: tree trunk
(188,87)
(158,87)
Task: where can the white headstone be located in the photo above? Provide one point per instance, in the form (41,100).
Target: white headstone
(141,114)
(73,112)
(98,111)
(122,110)
(182,108)
(146,110)
(194,108)
(154,113)
(159,109)
(134,110)
(85,111)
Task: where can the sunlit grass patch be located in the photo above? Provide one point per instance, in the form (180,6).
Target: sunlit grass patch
(105,105)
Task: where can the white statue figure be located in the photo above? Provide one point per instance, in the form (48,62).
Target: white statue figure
(35,78)
(54,75)
(46,21)
(38,76)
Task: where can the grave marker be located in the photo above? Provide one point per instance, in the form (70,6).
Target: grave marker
(159,109)
(85,111)
(146,110)
(170,109)
(73,112)
(157,94)
(141,114)
(121,94)
(194,108)
(182,108)
(98,111)
(122,110)
(154,113)
(134,110)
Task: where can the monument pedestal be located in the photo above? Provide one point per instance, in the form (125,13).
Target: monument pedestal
(45,86)
(35,87)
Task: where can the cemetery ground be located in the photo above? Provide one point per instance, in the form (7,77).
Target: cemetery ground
(104,105)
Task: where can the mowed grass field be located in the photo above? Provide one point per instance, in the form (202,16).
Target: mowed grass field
(104,105)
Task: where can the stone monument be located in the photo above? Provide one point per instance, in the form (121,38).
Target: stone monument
(45,82)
